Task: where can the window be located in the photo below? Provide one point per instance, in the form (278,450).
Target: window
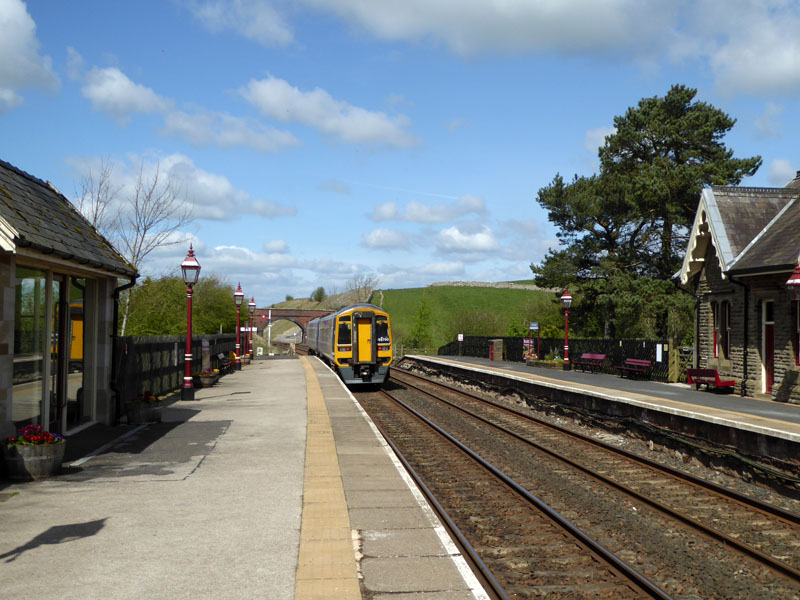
(382,330)
(725,329)
(343,334)
(714,326)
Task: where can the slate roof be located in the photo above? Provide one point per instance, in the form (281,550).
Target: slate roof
(777,247)
(44,220)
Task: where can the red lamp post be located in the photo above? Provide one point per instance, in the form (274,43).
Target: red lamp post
(252,306)
(566,300)
(190,271)
(238,298)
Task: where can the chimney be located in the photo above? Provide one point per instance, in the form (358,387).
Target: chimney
(794,183)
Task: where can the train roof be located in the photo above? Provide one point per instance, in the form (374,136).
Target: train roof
(344,309)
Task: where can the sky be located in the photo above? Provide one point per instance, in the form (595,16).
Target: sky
(320,140)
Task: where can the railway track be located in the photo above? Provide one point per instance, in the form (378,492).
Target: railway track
(691,538)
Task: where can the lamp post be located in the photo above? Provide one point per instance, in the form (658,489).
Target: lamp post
(190,271)
(566,300)
(252,306)
(238,298)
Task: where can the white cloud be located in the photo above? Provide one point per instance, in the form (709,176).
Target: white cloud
(385,239)
(21,65)
(279,100)
(335,186)
(256,20)
(112,92)
(416,212)
(766,124)
(209,195)
(75,64)
(454,240)
(781,172)
(469,27)
(204,128)
(275,247)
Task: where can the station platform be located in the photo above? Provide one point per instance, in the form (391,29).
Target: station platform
(271,484)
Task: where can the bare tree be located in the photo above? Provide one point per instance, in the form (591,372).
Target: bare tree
(136,221)
(97,193)
(361,286)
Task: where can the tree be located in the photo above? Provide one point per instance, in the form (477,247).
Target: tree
(665,151)
(318,295)
(420,335)
(158,307)
(630,221)
(361,286)
(144,218)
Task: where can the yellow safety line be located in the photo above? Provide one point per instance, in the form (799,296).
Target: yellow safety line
(326,566)
(676,404)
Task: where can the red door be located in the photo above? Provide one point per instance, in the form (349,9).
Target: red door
(769,347)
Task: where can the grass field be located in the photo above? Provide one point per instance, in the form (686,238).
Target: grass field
(469,310)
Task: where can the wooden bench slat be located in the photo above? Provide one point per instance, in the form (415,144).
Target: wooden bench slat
(707,377)
(589,360)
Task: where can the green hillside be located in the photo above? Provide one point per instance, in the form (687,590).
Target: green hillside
(469,310)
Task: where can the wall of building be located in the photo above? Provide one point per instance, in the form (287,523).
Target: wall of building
(7,282)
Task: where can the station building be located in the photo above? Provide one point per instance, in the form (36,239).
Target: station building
(60,280)
(743,248)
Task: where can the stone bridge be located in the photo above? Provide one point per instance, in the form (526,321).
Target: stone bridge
(299,317)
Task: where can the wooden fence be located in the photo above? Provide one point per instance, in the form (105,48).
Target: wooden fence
(155,363)
(616,351)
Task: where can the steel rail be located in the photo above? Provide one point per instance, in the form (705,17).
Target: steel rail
(593,545)
(768,561)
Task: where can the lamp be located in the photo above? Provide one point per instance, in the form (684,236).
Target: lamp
(793,283)
(252,306)
(238,298)
(190,271)
(566,300)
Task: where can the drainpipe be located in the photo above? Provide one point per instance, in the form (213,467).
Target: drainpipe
(114,335)
(746,328)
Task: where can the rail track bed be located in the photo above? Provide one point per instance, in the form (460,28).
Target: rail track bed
(636,523)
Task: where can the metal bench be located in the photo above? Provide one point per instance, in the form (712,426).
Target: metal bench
(707,377)
(635,366)
(589,361)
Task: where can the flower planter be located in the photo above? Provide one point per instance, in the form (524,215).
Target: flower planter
(545,364)
(207,380)
(140,413)
(32,462)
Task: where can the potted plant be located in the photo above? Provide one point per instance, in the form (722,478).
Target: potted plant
(144,408)
(33,453)
(208,377)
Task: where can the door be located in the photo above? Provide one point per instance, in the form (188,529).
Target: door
(768,368)
(364,337)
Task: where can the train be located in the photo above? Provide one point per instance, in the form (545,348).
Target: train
(356,341)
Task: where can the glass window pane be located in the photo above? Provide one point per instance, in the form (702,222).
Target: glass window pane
(29,346)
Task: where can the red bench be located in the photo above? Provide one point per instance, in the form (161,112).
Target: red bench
(635,366)
(589,361)
(708,377)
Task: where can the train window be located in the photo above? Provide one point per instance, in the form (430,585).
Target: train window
(343,335)
(382,330)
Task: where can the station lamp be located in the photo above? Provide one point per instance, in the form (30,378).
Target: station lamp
(190,271)
(238,298)
(566,300)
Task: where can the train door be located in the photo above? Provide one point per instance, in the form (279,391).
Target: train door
(364,337)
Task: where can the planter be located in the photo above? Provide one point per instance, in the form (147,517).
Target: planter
(27,463)
(207,380)
(140,413)
(545,364)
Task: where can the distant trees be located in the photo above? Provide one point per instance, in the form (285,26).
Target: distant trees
(623,230)
(158,307)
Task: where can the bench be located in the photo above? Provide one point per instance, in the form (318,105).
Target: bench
(589,361)
(708,377)
(225,364)
(635,366)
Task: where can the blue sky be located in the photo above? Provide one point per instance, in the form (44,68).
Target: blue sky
(318,140)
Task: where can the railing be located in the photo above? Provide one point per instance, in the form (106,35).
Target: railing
(616,351)
(156,363)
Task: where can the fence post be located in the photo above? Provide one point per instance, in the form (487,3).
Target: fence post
(674,362)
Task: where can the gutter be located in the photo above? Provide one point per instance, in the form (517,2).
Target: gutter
(114,335)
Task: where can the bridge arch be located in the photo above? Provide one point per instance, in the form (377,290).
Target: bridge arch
(299,317)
